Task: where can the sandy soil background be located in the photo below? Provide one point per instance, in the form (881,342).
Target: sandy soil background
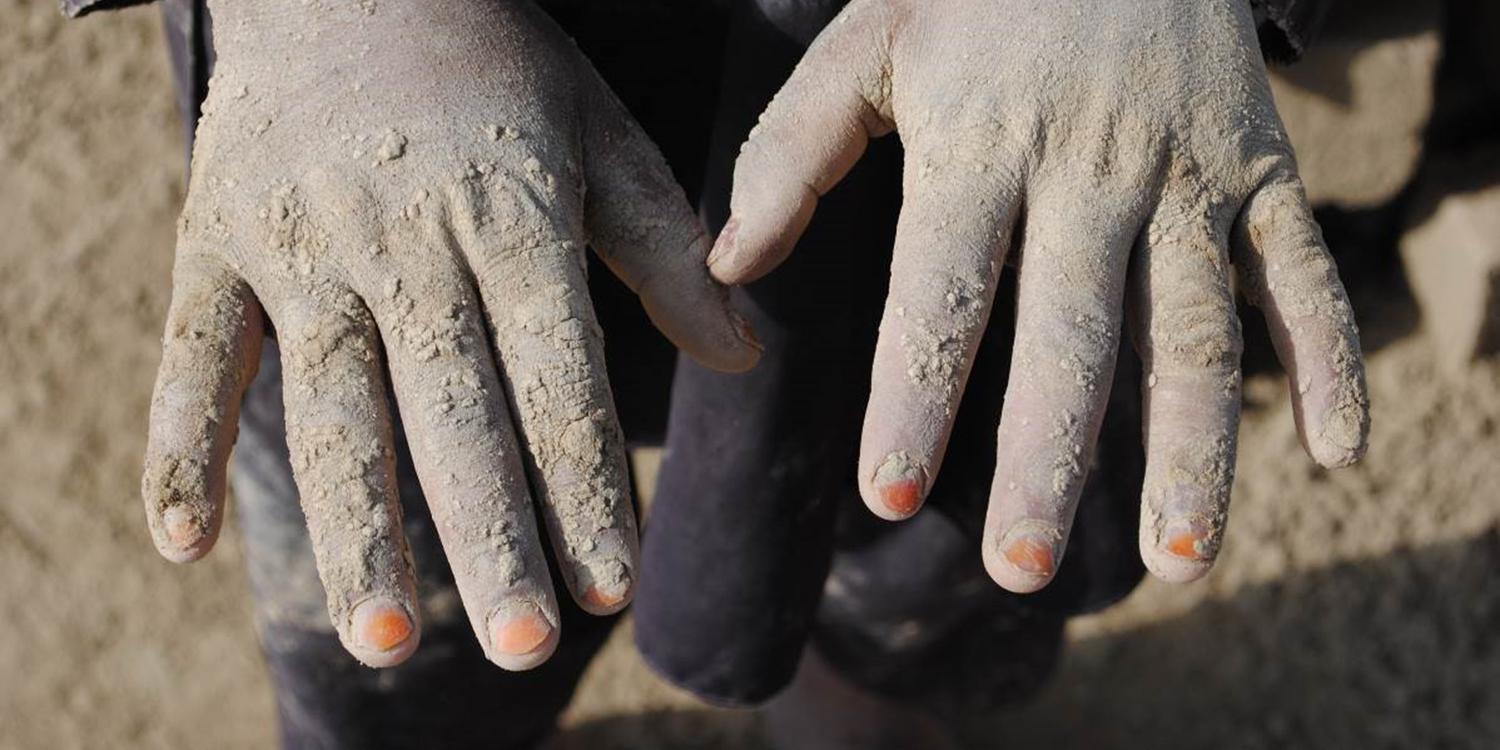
(1350,609)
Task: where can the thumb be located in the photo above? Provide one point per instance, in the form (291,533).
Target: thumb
(815,130)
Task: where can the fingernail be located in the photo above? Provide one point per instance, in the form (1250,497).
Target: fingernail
(607,596)
(519,629)
(1188,540)
(724,246)
(746,333)
(1030,552)
(182,527)
(381,624)
(899,480)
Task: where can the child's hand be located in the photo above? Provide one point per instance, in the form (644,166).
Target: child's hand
(1134,149)
(406,188)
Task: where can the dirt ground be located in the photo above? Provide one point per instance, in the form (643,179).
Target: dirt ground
(1350,609)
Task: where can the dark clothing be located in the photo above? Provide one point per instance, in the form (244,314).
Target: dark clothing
(1286,26)
(757,541)
(74,8)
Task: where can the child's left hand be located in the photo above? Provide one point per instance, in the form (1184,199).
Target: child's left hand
(1137,148)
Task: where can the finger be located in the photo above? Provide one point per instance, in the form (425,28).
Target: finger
(209,356)
(465,452)
(1188,335)
(948,255)
(1067,334)
(1288,273)
(811,134)
(343,454)
(551,356)
(640,223)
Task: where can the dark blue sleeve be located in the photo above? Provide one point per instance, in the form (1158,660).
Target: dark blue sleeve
(1287,27)
(75,8)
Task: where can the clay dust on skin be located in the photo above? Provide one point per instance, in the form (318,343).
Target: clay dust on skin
(423,220)
(1138,145)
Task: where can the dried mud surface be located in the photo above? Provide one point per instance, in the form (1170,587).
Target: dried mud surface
(1349,609)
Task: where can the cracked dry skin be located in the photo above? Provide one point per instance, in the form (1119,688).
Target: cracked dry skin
(1133,156)
(407,190)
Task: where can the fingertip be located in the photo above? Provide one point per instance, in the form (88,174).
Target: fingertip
(521,636)
(1171,568)
(733,356)
(181,555)
(600,600)
(607,598)
(1025,559)
(723,247)
(899,487)
(1330,456)
(740,361)
(745,251)
(182,527)
(1341,438)
(1333,418)
(1183,552)
(382,632)
(901,498)
(184,537)
(603,583)
(179,505)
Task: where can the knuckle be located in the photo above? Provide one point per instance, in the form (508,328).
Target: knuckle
(430,319)
(1199,333)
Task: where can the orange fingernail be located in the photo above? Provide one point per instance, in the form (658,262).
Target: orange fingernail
(902,497)
(1188,541)
(381,624)
(182,527)
(519,631)
(601,598)
(1030,553)
(899,480)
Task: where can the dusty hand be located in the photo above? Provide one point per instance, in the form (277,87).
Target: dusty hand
(406,188)
(1135,150)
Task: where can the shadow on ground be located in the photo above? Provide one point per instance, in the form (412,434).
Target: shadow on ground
(1399,651)
(676,729)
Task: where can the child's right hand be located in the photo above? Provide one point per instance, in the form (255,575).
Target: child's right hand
(406,188)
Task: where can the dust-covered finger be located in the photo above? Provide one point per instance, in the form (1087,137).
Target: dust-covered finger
(1288,273)
(810,135)
(950,245)
(209,355)
(551,356)
(1068,317)
(1188,335)
(641,224)
(464,448)
(343,455)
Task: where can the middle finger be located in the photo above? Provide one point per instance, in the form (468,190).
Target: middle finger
(550,348)
(1072,269)
(465,451)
